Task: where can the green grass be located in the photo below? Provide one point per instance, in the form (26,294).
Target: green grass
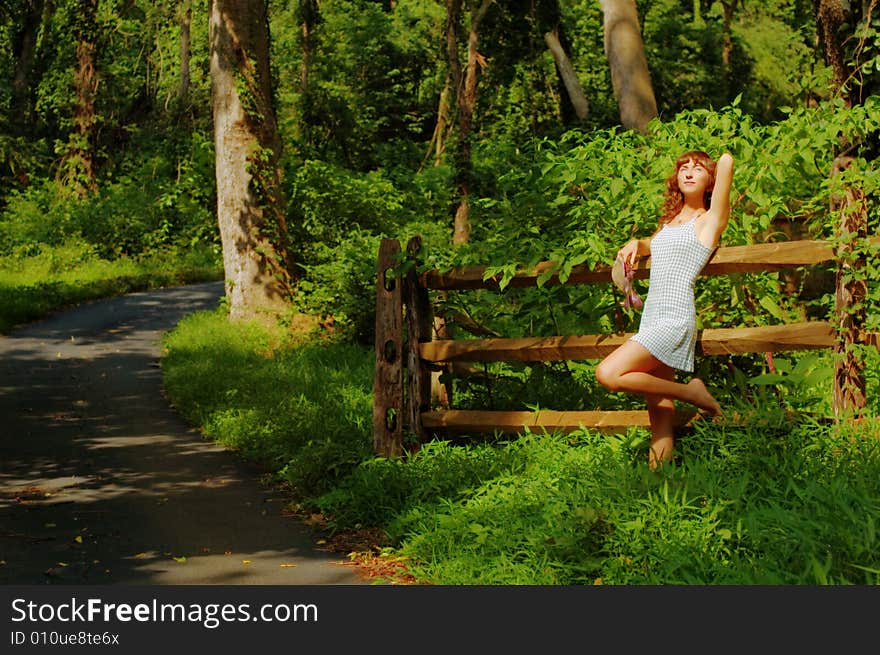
(303,409)
(48,278)
(774,499)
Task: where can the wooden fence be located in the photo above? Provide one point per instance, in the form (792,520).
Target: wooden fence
(406,354)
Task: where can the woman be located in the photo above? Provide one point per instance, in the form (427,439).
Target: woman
(695,214)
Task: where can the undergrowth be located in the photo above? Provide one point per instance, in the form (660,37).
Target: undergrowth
(781,495)
(38,279)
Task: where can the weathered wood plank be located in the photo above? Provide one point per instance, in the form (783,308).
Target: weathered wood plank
(776,338)
(457,421)
(419,320)
(526,349)
(388,376)
(729,259)
(810,335)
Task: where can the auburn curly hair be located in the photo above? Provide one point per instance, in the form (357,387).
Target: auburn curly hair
(673,198)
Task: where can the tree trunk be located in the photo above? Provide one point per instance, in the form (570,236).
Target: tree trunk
(830,16)
(727,43)
(467,102)
(851,289)
(438,138)
(24,50)
(78,162)
(185,22)
(629,68)
(569,77)
(250,208)
(451,87)
(308,13)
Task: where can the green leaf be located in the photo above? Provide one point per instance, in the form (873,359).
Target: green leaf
(770,305)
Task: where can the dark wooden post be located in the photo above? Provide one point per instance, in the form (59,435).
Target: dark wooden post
(419,320)
(851,288)
(388,378)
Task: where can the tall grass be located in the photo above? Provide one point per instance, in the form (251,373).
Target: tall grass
(779,497)
(41,278)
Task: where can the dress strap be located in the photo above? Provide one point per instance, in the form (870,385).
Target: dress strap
(695,217)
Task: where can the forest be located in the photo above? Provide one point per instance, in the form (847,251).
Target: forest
(274,144)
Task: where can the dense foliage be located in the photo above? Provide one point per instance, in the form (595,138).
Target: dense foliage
(358,91)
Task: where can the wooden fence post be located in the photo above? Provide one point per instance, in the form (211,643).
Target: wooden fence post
(419,320)
(388,378)
(851,287)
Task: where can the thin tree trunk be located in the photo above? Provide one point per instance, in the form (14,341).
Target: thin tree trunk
(454,78)
(629,68)
(727,43)
(438,138)
(849,398)
(185,22)
(308,12)
(24,50)
(467,101)
(250,208)
(569,77)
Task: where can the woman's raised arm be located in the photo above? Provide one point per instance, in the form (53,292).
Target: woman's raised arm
(720,202)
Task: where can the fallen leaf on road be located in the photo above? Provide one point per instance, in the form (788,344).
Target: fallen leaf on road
(180,560)
(245,561)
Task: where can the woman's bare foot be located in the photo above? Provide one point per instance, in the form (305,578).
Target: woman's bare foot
(702,398)
(660,451)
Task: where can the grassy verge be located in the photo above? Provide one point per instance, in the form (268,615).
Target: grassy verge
(776,499)
(49,278)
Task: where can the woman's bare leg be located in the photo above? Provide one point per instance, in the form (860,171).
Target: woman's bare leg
(661,412)
(631,367)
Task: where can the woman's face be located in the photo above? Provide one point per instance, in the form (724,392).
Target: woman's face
(693,178)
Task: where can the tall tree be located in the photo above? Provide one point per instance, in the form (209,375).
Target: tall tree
(249,198)
(629,67)
(78,162)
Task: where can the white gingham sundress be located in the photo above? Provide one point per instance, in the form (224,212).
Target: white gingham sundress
(668,327)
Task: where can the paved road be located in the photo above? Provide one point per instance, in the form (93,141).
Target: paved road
(101,482)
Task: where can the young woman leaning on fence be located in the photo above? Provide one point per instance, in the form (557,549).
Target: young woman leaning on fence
(695,214)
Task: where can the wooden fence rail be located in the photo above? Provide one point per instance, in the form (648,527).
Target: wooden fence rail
(402,398)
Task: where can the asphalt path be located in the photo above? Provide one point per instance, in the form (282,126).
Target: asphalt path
(102,482)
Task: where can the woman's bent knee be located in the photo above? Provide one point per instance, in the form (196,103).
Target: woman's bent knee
(607,377)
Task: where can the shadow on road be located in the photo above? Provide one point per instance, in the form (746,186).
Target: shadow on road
(102,482)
